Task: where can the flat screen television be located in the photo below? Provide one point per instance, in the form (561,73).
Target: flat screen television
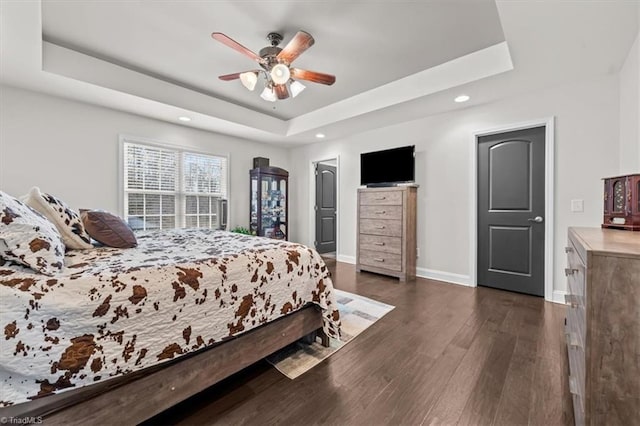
(388,167)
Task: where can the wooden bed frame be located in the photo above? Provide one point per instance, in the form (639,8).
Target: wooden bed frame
(138,396)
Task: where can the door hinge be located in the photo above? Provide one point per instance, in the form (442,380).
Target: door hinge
(315,208)
(315,244)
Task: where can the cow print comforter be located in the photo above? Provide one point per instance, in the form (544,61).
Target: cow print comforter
(114,311)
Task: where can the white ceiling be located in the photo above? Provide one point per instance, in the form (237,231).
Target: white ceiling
(365,44)
(394,61)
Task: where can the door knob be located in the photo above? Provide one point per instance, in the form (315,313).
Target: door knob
(537,219)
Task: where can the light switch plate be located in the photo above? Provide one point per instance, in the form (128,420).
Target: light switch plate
(577,206)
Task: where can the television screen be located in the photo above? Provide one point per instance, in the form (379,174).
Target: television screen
(388,167)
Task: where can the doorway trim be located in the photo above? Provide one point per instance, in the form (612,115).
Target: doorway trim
(549,190)
(312,202)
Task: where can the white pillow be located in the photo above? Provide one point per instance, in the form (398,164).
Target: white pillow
(58,212)
(28,238)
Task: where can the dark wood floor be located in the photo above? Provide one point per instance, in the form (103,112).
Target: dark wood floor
(446,355)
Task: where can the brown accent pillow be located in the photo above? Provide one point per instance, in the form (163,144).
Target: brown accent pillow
(108,229)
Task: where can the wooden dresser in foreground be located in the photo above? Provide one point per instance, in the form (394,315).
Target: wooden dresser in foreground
(603,325)
(387,231)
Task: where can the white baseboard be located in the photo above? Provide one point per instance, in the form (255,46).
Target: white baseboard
(346,259)
(448,277)
(423,273)
(558,297)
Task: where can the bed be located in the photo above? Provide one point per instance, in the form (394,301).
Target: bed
(168,316)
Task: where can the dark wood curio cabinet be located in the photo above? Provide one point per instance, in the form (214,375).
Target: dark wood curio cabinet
(269,202)
(622,202)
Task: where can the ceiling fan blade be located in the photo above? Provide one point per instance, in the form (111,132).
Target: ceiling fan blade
(316,77)
(281,91)
(236,46)
(301,42)
(229,77)
(235,75)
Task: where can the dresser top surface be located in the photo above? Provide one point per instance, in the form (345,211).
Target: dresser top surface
(609,241)
(389,188)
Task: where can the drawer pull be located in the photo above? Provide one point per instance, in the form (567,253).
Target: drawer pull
(380,227)
(568,249)
(573,385)
(378,259)
(569,300)
(572,340)
(380,198)
(380,212)
(378,244)
(570,271)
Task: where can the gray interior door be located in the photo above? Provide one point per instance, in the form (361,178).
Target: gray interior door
(325,208)
(511,206)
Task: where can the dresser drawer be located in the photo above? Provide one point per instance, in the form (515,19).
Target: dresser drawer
(577,382)
(381,198)
(578,410)
(381,212)
(387,227)
(381,243)
(575,272)
(575,284)
(378,259)
(576,323)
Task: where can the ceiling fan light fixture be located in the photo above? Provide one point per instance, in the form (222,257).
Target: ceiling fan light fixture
(268,94)
(249,80)
(275,63)
(296,88)
(280,74)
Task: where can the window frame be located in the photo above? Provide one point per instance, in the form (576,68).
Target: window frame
(181,193)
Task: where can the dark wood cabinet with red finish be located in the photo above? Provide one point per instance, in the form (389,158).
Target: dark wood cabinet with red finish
(622,202)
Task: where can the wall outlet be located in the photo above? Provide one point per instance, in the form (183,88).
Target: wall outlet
(577,206)
(417,251)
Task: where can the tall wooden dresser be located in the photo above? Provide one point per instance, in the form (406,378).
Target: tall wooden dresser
(387,231)
(603,325)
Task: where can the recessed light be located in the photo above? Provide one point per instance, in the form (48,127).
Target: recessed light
(462,98)
(184,118)
(320,135)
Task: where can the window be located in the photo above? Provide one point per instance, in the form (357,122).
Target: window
(169,188)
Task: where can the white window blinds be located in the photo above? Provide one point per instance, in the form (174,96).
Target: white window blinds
(205,174)
(167,188)
(205,182)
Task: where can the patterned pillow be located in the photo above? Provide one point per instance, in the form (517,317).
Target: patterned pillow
(58,212)
(28,238)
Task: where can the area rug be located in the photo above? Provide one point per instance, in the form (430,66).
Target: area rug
(357,313)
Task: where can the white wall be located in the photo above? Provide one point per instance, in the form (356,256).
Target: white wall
(587,127)
(630,111)
(70,149)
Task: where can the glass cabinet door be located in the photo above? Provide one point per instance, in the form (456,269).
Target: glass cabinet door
(268,203)
(253,210)
(273,207)
(284,224)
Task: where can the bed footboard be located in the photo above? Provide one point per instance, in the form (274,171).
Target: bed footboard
(135,400)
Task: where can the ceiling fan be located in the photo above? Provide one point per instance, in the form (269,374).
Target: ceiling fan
(281,80)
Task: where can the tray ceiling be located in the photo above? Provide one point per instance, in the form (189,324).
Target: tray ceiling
(365,44)
(395,61)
